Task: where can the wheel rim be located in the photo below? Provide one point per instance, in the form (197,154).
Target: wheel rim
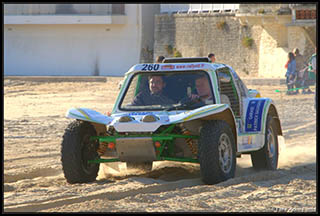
(88,153)
(271,143)
(225,153)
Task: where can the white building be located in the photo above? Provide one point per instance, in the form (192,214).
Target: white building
(76,39)
(198,8)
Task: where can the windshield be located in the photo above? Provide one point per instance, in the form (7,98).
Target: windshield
(167,91)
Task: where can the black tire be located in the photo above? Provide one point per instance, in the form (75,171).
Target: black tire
(267,157)
(76,150)
(145,166)
(216,147)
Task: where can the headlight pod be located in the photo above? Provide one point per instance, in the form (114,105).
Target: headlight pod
(150,118)
(125,119)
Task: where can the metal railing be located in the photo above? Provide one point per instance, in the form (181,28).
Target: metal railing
(213,7)
(189,8)
(64,9)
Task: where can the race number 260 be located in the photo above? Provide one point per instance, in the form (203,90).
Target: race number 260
(150,67)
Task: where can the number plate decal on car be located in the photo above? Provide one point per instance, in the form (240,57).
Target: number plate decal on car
(254,115)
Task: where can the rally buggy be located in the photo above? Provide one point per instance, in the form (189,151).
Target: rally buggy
(212,135)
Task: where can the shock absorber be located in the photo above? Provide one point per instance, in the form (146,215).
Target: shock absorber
(103,146)
(190,142)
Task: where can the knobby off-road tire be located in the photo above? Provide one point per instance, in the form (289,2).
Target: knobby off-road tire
(217,152)
(267,157)
(145,166)
(76,150)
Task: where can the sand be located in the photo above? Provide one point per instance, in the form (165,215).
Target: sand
(34,122)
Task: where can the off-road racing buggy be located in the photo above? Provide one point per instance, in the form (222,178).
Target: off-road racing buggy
(212,134)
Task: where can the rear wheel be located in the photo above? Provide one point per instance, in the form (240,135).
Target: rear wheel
(267,157)
(76,150)
(217,153)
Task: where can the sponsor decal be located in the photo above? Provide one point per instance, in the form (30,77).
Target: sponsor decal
(254,115)
(194,66)
(164,67)
(140,113)
(180,66)
(189,66)
(83,113)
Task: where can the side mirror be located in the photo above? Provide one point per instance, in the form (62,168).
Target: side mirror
(224,78)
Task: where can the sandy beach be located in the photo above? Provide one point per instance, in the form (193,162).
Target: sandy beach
(34,122)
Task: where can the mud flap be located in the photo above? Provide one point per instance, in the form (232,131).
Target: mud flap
(281,143)
(110,168)
(115,166)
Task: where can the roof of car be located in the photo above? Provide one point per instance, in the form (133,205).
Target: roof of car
(155,67)
(186,60)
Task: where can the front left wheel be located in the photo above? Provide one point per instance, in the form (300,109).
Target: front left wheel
(76,150)
(217,152)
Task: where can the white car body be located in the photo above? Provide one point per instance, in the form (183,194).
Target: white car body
(249,124)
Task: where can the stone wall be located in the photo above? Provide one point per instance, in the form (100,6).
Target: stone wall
(147,31)
(263,8)
(298,39)
(199,34)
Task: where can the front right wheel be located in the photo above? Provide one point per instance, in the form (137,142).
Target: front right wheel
(76,150)
(217,152)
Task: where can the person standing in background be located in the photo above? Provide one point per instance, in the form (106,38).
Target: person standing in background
(291,72)
(299,69)
(313,63)
(313,68)
(310,73)
(212,57)
(160,59)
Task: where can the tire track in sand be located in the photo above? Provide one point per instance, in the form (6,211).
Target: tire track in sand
(116,195)
(39,172)
(300,127)
(263,178)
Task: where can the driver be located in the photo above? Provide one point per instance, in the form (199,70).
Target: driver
(155,95)
(204,91)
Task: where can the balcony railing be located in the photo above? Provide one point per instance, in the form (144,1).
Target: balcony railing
(64,9)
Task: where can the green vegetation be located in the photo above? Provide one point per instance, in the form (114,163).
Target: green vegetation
(177,53)
(221,24)
(245,71)
(169,49)
(172,51)
(247,42)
